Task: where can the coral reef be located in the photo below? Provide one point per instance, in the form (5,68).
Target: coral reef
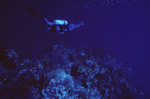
(65,73)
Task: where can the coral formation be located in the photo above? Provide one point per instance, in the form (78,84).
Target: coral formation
(66,73)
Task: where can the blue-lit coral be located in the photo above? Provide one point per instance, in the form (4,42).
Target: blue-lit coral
(66,73)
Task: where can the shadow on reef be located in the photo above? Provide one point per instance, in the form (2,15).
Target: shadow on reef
(65,73)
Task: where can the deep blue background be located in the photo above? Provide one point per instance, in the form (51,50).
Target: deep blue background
(123,30)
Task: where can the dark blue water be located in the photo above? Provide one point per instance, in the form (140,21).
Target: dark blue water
(122,29)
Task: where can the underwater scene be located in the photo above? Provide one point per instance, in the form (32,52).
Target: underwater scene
(74,49)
